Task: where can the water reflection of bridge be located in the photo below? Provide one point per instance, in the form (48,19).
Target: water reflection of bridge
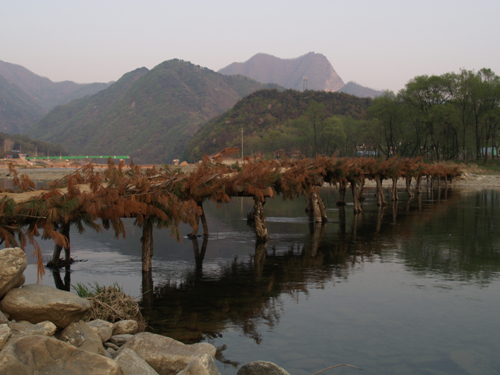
(246,294)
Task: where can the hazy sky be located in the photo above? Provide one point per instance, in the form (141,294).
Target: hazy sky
(380,44)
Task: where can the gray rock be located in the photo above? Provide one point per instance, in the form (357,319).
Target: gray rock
(120,339)
(3,318)
(27,329)
(5,333)
(79,334)
(37,303)
(261,368)
(133,364)
(201,365)
(103,328)
(111,345)
(125,327)
(46,355)
(13,262)
(167,356)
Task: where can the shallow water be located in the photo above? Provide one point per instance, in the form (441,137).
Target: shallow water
(412,288)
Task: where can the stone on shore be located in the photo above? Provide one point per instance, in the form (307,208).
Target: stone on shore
(46,355)
(103,328)
(133,364)
(49,327)
(14,262)
(120,340)
(37,303)
(167,356)
(27,329)
(3,318)
(261,368)
(79,334)
(5,334)
(201,365)
(125,327)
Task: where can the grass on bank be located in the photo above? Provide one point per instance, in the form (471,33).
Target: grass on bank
(110,303)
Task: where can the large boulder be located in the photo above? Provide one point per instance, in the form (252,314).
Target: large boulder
(79,334)
(13,262)
(261,368)
(133,364)
(201,365)
(46,355)
(167,356)
(36,303)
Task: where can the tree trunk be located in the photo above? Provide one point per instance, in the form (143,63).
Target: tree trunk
(408,187)
(342,187)
(64,230)
(317,206)
(395,197)
(260,220)
(361,187)
(147,246)
(419,184)
(380,194)
(355,198)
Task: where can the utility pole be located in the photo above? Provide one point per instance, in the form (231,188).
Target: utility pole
(241,146)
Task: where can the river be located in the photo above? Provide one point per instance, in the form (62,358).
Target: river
(411,288)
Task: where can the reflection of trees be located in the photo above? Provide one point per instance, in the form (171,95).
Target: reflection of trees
(246,294)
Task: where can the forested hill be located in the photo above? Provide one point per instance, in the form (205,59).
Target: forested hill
(275,121)
(147,114)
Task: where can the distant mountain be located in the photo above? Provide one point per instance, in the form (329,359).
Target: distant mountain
(39,96)
(289,73)
(360,91)
(18,111)
(147,114)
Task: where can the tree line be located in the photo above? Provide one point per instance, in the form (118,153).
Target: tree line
(445,117)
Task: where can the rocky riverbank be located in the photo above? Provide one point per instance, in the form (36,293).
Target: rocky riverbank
(41,331)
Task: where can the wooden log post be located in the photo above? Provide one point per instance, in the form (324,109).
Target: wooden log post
(260,219)
(355,198)
(362,181)
(194,232)
(379,193)
(55,261)
(408,187)
(147,245)
(342,188)
(316,205)
(419,184)
(395,197)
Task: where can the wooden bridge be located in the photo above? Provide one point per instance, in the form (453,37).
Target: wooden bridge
(163,197)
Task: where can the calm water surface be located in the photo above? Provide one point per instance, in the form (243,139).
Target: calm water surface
(412,288)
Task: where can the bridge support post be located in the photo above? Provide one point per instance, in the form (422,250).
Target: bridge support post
(395,197)
(380,194)
(147,245)
(260,219)
(55,261)
(316,207)
(408,187)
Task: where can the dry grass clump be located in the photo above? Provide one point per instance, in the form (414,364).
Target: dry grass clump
(110,303)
